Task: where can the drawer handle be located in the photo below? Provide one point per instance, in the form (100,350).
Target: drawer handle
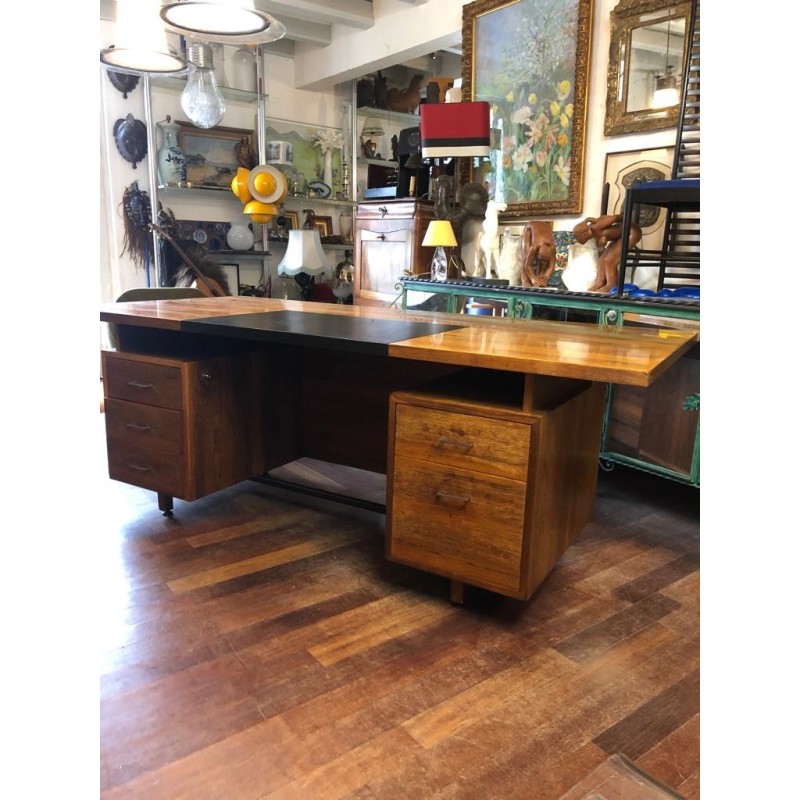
(134,426)
(384,211)
(137,385)
(139,468)
(381,236)
(445,442)
(453,500)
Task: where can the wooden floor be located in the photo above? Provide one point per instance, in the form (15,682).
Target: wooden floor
(258,645)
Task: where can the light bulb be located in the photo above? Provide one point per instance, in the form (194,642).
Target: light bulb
(201,100)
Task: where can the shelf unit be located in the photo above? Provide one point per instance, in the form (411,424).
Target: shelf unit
(176,85)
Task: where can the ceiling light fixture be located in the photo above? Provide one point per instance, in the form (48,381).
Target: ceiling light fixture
(141,42)
(231,21)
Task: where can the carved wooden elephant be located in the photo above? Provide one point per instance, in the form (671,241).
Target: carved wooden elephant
(538,253)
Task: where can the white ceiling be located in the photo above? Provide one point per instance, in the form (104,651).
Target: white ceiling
(311,22)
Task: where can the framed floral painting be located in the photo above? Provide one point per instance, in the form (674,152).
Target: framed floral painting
(529,59)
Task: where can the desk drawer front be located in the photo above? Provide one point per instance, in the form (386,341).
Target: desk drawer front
(141,425)
(141,382)
(461,440)
(458,523)
(150,469)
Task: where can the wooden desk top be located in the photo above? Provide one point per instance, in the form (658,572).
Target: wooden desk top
(628,355)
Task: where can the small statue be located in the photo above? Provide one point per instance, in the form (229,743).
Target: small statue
(538,253)
(405,100)
(607,233)
(381,91)
(308,224)
(488,253)
(243,150)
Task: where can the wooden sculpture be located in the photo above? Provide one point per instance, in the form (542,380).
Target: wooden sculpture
(405,100)
(538,253)
(607,233)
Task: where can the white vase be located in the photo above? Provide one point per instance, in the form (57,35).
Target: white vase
(327,173)
(239,236)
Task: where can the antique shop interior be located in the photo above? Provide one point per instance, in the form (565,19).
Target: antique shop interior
(517,164)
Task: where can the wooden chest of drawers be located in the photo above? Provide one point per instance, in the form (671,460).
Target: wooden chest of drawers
(388,242)
(183,427)
(478,494)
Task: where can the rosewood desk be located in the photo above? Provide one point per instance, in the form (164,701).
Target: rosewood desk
(488,430)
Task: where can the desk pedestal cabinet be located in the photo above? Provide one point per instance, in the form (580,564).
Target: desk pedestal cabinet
(487,494)
(180,426)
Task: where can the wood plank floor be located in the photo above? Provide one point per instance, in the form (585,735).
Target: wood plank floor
(258,645)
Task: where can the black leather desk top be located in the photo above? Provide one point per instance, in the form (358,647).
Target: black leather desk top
(329,331)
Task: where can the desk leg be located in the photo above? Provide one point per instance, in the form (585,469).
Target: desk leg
(165,503)
(457,592)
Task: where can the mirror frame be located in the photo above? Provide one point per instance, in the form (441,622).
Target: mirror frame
(624,18)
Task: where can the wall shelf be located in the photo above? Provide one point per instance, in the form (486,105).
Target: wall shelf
(397,117)
(229,93)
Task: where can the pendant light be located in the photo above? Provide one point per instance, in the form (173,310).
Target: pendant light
(666,91)
(201,100)
(228,21)
(141,42)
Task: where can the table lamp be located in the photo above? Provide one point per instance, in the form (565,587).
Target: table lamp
(439,235)
(454,129)
(304,257)
(451,130)
(372,129)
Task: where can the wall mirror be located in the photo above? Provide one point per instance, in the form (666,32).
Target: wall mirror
(649,41)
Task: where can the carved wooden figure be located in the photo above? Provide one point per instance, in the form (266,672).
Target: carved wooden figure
(538,253)
(607,233)
(405,100)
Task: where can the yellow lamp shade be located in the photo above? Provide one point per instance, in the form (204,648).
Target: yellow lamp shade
(239,185)
(267,184)
(260,212)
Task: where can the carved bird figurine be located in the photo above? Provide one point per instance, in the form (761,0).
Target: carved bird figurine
(405,100)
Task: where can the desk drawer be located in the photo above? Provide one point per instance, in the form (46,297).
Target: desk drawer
(143,382)
(150,469)
(465,441)
(140,425)
(458,523)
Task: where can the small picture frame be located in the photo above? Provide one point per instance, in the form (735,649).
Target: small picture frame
(211,155)
(324,225)
(292,220)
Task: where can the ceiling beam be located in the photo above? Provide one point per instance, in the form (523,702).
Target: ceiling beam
(353,13)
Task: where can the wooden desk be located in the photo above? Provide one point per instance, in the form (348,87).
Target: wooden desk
(488,429)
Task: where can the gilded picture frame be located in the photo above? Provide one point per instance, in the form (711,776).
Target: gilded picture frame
(324,224)
(530,59)
(644,20)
